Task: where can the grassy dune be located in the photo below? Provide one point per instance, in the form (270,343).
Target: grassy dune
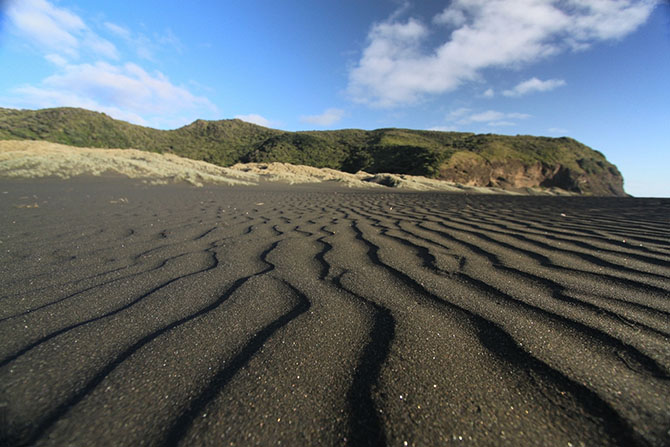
(35,159)
(31,159)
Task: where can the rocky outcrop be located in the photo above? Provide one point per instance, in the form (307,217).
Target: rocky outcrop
(588,176)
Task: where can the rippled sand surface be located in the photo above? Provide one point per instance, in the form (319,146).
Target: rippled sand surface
(137,315)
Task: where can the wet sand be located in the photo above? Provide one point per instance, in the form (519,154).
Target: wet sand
(170,315)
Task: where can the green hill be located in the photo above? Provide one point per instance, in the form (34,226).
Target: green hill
(479,160)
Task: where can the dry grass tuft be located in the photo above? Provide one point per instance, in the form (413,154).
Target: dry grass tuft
(31,159)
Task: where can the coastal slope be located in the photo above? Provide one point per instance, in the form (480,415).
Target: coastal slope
(501,161)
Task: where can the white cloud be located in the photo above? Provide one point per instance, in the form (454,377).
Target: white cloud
(493,116)
(255,119)
(489,93)
(608,19)
(458,114)
(327,118)
(56,30)
(146,47)
(443,128)
(56,59)
(490,117)
(124,91)
(169,39)
(100,46)
(118,30)
(534,85)
(83,77)
(452,17)
(44,97)
(398,65)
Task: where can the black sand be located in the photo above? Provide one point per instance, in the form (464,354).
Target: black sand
(134,315)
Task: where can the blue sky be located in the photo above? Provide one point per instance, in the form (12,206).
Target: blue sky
(594,70)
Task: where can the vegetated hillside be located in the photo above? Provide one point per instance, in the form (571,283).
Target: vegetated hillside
(478,160)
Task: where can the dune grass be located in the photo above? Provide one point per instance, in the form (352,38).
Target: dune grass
(32,159)
(38,159)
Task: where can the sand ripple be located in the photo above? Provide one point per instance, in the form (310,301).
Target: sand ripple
(137,315)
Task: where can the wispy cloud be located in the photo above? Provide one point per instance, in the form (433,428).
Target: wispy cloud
(534,85)
(88,72)
(119,30)
(399,66)
(444,128)
(56,30)
(255,119)
(56,59)
(492,118)
(31,96)
(146,47)
(327,118)
(107,87)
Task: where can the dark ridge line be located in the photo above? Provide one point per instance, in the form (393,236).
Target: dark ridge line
(428,259)
(546,262)
(509,225)
(542,227)
(62,284)
(185,242)
(184,421)
(612,226)
(553,285)
(50,419)
(298,230)
(637,256)
(138,256)
(617,424)
(365,426)
(495,261)
(320,256)
(573,228)
(531,222)
(653,367)
(501,345)
(52,303)
(61,331)
(134,263)
(582,244)
(458,224)
(557,292)
(634,307)
(205,233)
(627,282)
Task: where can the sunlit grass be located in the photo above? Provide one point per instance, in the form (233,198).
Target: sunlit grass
(32,159)
(35,159)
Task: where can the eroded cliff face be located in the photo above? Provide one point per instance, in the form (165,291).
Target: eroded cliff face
(587,176)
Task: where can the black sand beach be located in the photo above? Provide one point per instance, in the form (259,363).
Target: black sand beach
(133,315)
